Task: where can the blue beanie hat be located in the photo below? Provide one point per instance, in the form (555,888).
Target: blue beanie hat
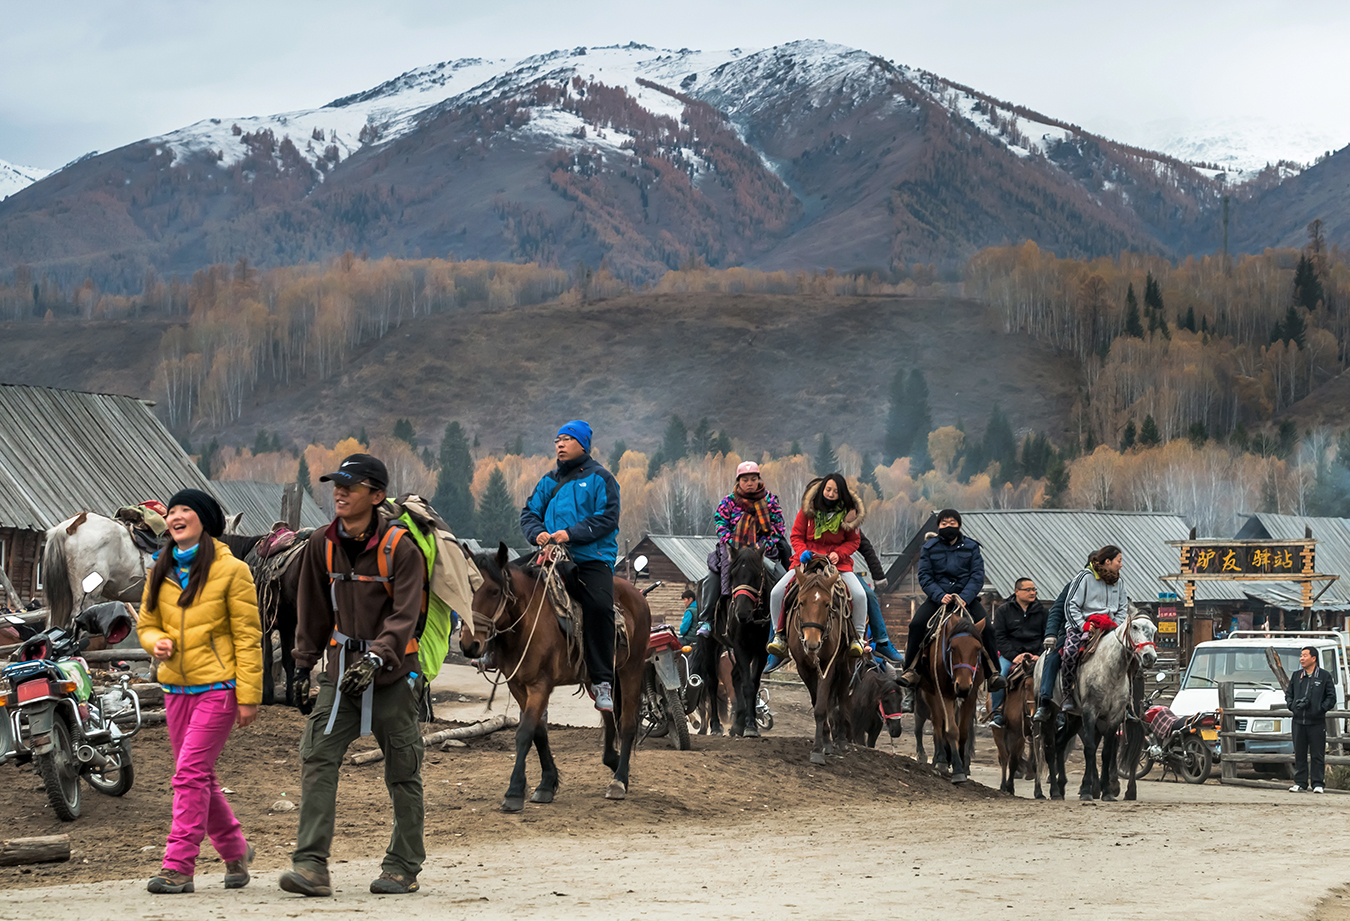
(580,431)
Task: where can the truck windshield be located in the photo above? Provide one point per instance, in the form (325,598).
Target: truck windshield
(1243,665)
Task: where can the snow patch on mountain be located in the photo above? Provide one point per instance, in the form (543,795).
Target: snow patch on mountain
(1241,148)
(14,177)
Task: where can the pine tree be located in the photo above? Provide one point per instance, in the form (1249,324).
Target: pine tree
(1153,299)
(825,461)
(1148,434)
(498,517)
(921,415)
(428,459)
(795,449)
(615,456)
(675,442)
(1294,328)
(868,475)
(208,458)
(700,442)
(403,431)
(365,442)
(1128,437)
(1198,434)
(898,435)
(302,475)
(453,499)
(1190,319)
(999,444)
(655,463)
(721,444)
(1133,327)
(1056,483)
(262,444)
(1307,286)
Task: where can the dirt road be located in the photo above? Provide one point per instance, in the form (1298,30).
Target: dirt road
(733,829)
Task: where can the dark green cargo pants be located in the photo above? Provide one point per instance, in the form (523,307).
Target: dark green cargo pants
(394,725)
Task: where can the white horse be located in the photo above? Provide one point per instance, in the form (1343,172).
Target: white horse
(92,543)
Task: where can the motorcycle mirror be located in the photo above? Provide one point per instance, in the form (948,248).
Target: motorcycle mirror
(92,582)
(640,564)
(1160,677)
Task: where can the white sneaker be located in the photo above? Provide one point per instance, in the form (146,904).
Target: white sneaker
(1296,789)
(604,697)
(1318,790)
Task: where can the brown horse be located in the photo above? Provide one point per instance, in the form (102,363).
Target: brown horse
(818,631)
(1012,740)
(514,620)
(950,683)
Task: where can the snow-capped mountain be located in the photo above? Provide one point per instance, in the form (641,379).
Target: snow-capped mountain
(14,177)
(1244,146)
(807,155)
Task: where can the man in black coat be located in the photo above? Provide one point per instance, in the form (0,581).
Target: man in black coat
(1019,626)
(1312,693)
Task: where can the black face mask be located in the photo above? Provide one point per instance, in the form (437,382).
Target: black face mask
(949,535)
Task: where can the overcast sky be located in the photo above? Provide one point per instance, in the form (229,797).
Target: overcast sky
(82,76)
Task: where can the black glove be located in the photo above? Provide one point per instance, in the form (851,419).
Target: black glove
(359,676)
(303,702)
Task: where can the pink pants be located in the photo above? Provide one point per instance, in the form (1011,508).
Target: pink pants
(199,724)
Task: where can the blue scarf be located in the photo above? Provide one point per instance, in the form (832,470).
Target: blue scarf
(182,563)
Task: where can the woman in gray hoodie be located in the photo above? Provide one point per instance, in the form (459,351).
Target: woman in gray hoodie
(1098,589)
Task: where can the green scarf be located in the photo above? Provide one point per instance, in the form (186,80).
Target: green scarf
(828,521)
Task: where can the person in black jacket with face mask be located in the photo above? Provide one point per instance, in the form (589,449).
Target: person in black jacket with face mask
(1312,693)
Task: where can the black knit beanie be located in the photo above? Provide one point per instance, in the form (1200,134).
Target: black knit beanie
(206,507)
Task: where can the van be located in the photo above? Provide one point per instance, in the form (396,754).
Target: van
(1241,658)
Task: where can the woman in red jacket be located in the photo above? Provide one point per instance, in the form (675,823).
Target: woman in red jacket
(828,525)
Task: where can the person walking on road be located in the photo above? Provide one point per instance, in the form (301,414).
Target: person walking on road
(199,619)
(361,597)
(1312,694)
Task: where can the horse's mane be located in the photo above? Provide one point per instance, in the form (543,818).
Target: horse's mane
(487,565)
(813,575)
(961,623)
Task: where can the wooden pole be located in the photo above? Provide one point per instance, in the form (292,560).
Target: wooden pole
(1228,725)
(15,601)
(47,849)
(290,505)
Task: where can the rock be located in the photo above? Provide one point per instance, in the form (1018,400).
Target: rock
(149,849)
(283,805)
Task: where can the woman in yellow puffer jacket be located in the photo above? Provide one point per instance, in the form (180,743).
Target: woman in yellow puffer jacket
(199,618)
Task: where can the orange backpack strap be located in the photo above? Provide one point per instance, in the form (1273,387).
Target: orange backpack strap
(386,565)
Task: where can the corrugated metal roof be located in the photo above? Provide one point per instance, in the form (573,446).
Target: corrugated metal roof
(260,504)
(688,553)
(63,452)
(1050,545)
(1333,558)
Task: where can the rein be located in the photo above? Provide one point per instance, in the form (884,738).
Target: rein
(509,597)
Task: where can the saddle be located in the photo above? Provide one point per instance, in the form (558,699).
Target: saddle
(277,540)
(145,523)
(267,563)
(1098,626)
(839,593)
(1020,674)
(560,584)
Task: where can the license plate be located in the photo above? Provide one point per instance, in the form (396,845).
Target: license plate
(1209,735)
(1167,626)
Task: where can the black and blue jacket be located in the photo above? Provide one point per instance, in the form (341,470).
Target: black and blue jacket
(582,498)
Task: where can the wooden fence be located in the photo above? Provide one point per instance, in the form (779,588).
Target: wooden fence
(1229,757)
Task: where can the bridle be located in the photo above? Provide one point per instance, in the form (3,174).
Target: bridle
(947,642)
(509,597)
(881,707)
(1134,648)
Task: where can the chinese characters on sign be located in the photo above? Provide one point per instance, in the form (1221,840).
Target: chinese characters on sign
(1242,560)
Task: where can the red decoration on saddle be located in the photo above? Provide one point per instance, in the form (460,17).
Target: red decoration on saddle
(155,506)
(1100,621)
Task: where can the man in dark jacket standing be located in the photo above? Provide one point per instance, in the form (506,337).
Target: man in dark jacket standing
(578,504)
(365,620)
(1311,695)
(950,567)
(1019,625)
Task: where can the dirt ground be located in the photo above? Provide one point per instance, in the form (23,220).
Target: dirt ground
(746,827)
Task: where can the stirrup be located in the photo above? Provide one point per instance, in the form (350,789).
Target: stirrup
(778,645)
(909,678)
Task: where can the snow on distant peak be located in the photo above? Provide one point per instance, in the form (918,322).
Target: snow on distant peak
(14,177)
(1242,147)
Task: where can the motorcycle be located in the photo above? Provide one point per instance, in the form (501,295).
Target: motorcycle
(763,715)
(1177,743)
(52,718)
(662,709)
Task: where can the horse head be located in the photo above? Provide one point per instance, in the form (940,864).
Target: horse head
(891,703)
(816,582)
(748,581)
(493,602)
(962,653)
(1140,637)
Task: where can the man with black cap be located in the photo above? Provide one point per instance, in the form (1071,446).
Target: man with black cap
(360,600)
(578,504)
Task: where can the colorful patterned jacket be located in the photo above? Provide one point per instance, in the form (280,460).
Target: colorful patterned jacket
(728,514)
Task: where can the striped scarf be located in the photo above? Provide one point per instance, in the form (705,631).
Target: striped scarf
(754,522)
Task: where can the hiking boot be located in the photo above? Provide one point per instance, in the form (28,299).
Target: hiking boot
(604,700)
(888,652)
(393,884)
(169,882)
(1070,708)
(855,650)
(304,881)
(997,683)
(907,701)
(236,871)
(909,678)
(1045,711)
(778,645)
(997,721)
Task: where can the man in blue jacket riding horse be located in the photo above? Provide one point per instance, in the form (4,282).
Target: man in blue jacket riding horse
(577,504)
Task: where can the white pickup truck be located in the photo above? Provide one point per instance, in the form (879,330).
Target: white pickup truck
(1241,658)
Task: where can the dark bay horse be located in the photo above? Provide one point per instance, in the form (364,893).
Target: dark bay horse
(741,626)
(874,702)
(277,599)
(514,619)
(1011,741)
(950,683)
(818,630)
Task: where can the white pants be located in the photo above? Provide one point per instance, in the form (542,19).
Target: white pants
(858,598)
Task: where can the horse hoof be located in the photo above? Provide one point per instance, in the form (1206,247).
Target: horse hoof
(751,732)
(959,778)
(542,796)
(1039,795)
(513,804)
(616,790)
(1108,798)
(817,758)
(715,731)
(1057,797)
(1085,797)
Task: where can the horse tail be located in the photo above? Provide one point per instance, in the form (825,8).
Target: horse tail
(56,579)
